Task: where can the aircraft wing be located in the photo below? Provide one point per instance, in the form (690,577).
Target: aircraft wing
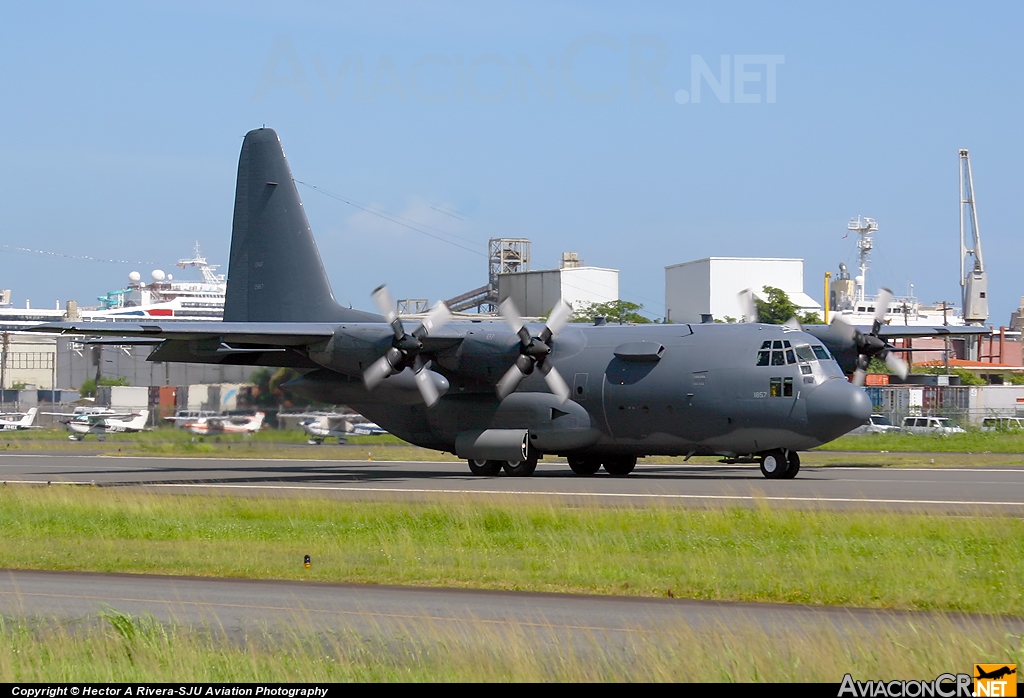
(256,343)
(929,331)
(274,333)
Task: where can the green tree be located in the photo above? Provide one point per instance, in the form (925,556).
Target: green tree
(614,312)
(779,308)
(269,392)
(88,388)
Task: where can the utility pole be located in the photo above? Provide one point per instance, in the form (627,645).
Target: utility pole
(3,360)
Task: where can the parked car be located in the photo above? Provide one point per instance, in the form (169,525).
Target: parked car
(1002,423)
(930,425)
(876,424)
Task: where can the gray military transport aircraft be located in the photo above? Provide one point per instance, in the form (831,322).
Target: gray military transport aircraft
(495,395)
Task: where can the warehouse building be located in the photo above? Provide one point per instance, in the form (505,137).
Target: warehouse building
(709,288)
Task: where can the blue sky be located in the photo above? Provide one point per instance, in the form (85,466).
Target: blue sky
(574,124)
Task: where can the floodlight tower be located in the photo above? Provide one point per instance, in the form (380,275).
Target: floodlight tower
(866,228)
(973,280)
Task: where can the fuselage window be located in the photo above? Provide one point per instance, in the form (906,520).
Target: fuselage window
(804,353)
(778,358)
(805,369)
(763,357)
(821,352)
(781,387)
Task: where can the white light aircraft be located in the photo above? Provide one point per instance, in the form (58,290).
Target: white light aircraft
(320,426)
(107,423)
(24,421)
(227,424)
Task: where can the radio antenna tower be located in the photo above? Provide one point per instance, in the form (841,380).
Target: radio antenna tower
(973,280)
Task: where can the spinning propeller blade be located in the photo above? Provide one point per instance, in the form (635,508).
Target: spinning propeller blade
(533,351)
(405,348)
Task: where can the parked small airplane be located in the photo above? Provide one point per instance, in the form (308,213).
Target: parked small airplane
(330,426)
(24,422)
(107,423)
(227,424)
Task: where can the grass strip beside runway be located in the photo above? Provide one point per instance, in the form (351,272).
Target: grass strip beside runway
(131,649)
(867,559)
(971,441)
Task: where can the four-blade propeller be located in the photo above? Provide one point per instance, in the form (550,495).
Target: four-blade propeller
(534,351)
(869,345)
(405,348)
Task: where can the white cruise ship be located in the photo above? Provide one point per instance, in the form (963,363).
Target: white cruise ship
(849,299)
(163,298)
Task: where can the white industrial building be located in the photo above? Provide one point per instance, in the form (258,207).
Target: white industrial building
(536,292)
(711,286)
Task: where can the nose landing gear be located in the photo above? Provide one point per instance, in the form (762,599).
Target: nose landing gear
(780,464)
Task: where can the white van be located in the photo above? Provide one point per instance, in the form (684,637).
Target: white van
(1002,423)
(930,425)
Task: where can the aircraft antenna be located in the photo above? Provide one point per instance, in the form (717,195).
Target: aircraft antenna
(973,280)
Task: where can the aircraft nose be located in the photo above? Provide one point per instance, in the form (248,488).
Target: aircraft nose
(835,407)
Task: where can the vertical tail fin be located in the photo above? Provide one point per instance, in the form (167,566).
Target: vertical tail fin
(140,420)
(29,417)
(275,273)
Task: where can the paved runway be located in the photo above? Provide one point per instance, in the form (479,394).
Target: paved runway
(242,606)
(968,489)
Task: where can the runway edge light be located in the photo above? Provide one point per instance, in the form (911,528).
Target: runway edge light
(307,562)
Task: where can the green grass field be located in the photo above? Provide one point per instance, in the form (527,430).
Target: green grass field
(907,450)
(884,560)
(130,649)
(972,441)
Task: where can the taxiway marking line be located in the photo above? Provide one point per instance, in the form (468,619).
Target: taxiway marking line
(541,493)
(299,609)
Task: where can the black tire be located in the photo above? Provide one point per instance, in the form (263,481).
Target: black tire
(584,466)
(794,465)
(522,468)
(487,468)
(774,464)
(619,466)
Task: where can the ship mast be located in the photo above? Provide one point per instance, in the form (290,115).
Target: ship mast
(866,228)
(198,260)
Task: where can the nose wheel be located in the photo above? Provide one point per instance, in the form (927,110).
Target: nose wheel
(780,464)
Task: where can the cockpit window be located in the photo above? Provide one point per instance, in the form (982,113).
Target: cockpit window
(766,344)
(778,358)
(762,356)
(821,352)
(790,358)
(786,343)
(804,353)
(777,344)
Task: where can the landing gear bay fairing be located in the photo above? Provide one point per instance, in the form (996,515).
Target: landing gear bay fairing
(501,394)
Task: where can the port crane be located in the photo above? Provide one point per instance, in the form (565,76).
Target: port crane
(973,280)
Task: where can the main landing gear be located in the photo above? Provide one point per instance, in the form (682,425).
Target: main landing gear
(616,466)
(780,464)
(512,468)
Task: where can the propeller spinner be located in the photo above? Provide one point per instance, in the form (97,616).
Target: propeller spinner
(405,348)
(534,351)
